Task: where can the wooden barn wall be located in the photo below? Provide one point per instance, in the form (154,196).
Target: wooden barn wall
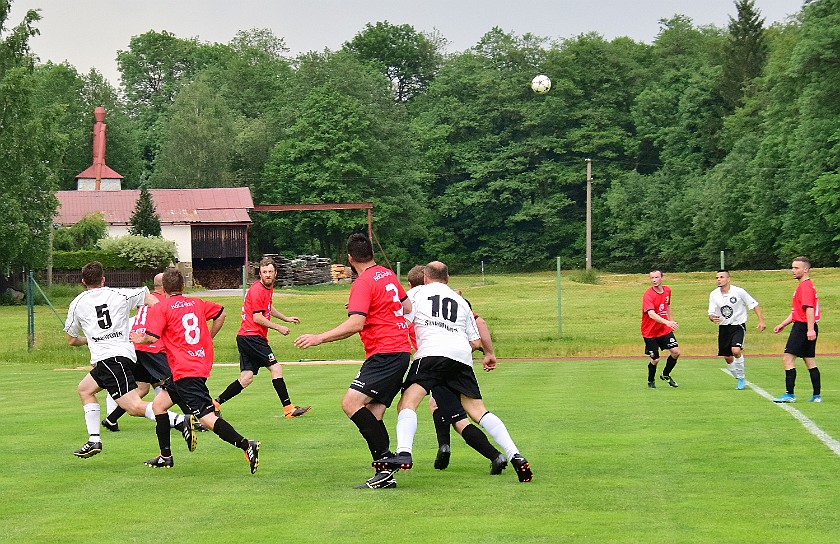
(218,242)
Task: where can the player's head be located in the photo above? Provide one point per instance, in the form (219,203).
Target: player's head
(655,277)
(436,271)
(268,271)
(157,283)
(800,267)
(415,276)
(359,248)
(722,277)
(92,274)
(173,281)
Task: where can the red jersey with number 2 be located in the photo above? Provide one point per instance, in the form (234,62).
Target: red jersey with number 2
(805,296)
(181,322)
(659,303)
(378,295)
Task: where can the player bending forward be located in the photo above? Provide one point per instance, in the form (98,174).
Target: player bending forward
(446,337)
(181,322)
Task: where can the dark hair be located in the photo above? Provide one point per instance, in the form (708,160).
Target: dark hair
(661,273)
(92,274)
(804,260)
(725,271)
(436,270)
(173,281)
(415,276)
(359,247)
(267,261)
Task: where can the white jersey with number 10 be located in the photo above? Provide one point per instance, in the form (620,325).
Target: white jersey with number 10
(443,322)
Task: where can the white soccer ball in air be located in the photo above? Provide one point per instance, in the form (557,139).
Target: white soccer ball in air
(541,84)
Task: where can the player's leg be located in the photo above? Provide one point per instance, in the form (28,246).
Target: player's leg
(652,351)
(160,406)
(814,373)
(87,390)
(669,342)
(496,428)
(360,409)
(279,383)
(410,399)
(442,435)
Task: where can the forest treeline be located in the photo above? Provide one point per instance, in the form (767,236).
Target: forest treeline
(707,139)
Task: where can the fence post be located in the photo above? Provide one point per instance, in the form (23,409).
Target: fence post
(30,313)
(559,304)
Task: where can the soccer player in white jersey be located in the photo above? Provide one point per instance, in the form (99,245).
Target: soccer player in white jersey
(728,307)
(446,337)
(102,314)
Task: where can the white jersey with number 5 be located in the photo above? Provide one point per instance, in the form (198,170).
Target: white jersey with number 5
(103,315)
(443,322)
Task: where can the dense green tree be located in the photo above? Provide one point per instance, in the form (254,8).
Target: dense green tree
(409,58)
(145,220)
(345,140)
(28,147)
(745,52)
(83,235)
(197,143)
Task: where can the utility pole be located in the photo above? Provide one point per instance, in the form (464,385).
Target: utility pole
(588,215)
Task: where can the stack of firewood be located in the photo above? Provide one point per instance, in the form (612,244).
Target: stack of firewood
(340,273)
(217,278)
(310,270)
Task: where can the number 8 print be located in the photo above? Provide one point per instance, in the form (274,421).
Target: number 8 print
(192,334)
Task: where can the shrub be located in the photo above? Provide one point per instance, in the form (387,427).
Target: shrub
(75,260)
(142,251)
(83,235)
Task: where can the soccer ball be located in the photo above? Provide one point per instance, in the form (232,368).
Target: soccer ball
(541,84)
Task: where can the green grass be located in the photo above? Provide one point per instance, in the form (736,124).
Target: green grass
(613,461)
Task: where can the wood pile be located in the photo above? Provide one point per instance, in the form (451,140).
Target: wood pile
(217,278)
(302,270)
(341,273)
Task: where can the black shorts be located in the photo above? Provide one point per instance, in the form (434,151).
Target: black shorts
(450,409)
(798,343)
(653,345)
(381,376)
(435,372)
(151,367)
(730,336)
(115,375)
(191,395)
(254,353)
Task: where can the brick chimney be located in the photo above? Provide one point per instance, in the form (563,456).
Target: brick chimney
(99,177)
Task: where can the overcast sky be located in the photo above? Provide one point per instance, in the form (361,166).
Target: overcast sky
(88,33)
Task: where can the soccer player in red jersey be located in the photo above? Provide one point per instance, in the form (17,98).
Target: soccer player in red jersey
(375,311)
(181,322)
(658,329)
(252,341)
(802,342)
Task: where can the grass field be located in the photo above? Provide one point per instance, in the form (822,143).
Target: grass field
(613,460)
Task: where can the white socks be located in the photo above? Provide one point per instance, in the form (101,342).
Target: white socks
(406,429)
(738,367)
(495,428)
(92,421)
(110,404)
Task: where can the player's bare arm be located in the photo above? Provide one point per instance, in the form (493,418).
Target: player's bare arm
(77,340)
(788,320)
(217,324)
(260,319)
(351,326)
(761,324)
(659,319)
(279,315)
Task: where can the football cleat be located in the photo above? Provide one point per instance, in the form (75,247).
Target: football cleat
(741,384)
(113,427)
(787,397)
(815,398)
(669,379)
(383,479)
(160,462)
(393,463)
(651,385)
(295,411)
(88,450)
(186,428)
(198,427)
(523,469)
(252,454)
(498,464)
(442,457)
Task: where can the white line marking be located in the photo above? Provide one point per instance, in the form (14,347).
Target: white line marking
(806,422)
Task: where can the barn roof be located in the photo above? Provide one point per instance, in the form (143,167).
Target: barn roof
(174,206)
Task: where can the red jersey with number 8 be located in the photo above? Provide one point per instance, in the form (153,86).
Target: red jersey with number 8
(378,295)
(181,322)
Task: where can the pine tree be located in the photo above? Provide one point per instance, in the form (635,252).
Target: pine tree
(145,221)
(745,52)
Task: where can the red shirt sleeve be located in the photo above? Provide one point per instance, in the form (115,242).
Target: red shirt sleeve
(360,298)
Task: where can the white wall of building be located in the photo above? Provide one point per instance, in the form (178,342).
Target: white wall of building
(180,234)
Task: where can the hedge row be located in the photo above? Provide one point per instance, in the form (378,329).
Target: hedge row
(75,260)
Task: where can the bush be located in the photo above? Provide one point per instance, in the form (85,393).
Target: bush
(75,260)
(83,235)
(143,251)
